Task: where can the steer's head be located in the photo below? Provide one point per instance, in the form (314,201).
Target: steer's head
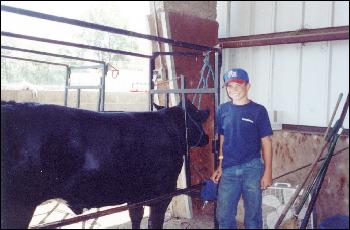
(195,118)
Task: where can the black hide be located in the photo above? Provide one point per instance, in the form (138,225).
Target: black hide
(91,159)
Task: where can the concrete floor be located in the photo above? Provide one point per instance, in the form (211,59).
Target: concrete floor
(54,210)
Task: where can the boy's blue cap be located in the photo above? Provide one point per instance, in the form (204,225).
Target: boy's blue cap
(236,75)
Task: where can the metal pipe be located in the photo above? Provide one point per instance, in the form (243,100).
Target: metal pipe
(103,28)
(66,86)
(319,181)
(33,60)
(155,54)
(4,33)
(50,54)
(206,90)
(333,115)
(312,184)
(88,67)
(187,156)
(313,166)
(105,70)
(99,101)
(78,97)
(84,87)
(290,37)
(217,102)
(309,129)
(152,65)
(117,209)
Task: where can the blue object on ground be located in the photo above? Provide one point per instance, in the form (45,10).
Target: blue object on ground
(335,222)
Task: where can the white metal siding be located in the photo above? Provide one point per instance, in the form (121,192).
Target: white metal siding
(341,13)
(314,84)
(285,82)
(289,15)
(264,17)
(318,14)
(301,80)
(240,18)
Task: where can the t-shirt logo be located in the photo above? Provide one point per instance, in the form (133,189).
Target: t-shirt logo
(246,119)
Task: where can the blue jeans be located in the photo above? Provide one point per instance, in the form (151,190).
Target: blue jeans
(240,180)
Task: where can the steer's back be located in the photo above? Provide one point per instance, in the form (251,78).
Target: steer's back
(90,159)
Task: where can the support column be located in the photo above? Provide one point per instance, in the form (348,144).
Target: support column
(193,22)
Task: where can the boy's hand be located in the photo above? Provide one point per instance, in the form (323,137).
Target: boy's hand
(266,180)
(216,175)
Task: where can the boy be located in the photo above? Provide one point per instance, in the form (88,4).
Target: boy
(244,130)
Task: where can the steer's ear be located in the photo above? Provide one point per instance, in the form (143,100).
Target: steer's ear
(204,114)
(158,107)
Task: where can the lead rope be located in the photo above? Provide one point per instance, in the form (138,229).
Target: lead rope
(199,128)
(186,132)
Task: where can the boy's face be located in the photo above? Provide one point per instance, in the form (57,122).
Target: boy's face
(237,91)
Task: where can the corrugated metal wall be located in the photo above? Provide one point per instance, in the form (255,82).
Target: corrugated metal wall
(301,80)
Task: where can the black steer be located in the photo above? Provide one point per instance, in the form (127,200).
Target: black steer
(92,159)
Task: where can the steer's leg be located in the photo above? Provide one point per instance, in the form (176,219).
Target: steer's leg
(157,214)
(136,215)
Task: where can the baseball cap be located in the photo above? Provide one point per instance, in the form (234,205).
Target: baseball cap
(236,75)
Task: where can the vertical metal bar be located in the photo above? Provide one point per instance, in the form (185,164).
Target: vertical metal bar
(99,95)
(166,100)
(216,137)
(150,84)
(78,98)
(216,142)
(105,71)
(66,86)
(218,58)
(102,90)
(187,159)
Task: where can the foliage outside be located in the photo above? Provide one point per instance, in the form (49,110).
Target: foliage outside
(15,71)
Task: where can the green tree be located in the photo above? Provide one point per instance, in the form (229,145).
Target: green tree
(35,73)
(109,16)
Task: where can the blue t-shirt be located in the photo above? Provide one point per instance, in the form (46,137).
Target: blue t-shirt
(243,126)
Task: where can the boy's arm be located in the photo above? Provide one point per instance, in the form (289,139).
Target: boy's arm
(266,179)
(218,172)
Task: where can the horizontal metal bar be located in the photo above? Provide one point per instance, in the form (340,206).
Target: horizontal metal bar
(117,209)
(33,60)
(155,54)
(82,87)
(290,37)
(309,129)
(103,28)
(50,54)
(4,33)
(161,91)
(87,67)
